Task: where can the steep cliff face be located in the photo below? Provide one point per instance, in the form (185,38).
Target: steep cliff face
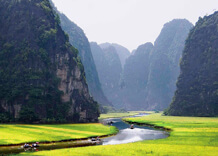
(197,86)
(41,76)
(100,61)
(110,82)
(148,79)
(164,63)
(79,40)
(135,78)
(109,70)
(122,52)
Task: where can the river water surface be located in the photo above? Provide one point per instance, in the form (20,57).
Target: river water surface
(127,135)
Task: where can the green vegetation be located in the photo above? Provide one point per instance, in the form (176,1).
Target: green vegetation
(25,64)
(32,54)
(117,115)
(110,109)
(164,64)
(125,114)
(190,136)
(78,39)
(197,87)
(21,133)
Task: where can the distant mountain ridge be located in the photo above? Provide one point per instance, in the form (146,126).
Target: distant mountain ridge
(109,69)
(122,52)
(148,78)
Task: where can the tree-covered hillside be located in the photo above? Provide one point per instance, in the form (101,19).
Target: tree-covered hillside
(197,86)
(79,40)
(41,76)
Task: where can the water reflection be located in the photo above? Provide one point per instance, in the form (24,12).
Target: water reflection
(127,135)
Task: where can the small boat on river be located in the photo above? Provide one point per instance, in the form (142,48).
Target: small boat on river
(97,141)
(34,145)
(26,146)
(132,126)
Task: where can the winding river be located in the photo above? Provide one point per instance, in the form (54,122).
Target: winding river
(125,135)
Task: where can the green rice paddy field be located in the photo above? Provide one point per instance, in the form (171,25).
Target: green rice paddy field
(119,115)
(21,133)
(190,136)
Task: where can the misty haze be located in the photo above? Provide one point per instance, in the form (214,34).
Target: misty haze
(109,77)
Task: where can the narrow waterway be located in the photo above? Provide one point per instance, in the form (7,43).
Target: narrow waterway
(127,135)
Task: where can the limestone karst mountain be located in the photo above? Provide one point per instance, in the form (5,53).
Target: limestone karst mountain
(197,86)
(148,79)
(135,77)
(122,52)
(41,76)
(164,63)
(109,70)
(79,40)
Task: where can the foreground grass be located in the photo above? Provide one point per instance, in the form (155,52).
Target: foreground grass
(191,136)
(119,115)
(21,133)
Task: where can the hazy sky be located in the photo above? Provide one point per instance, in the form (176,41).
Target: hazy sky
(131,22)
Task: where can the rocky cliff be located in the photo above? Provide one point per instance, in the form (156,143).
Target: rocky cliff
(150,73)
(79,40)
(41,76)
(197,86)
(164,63)
(135,78)
(109,70)
(148,79)
(122,52)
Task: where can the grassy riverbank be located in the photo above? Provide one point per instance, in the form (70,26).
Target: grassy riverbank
(119,115)
(21,133)
(190,136)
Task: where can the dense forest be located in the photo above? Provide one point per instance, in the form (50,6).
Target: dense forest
(41,76)
(197,86)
